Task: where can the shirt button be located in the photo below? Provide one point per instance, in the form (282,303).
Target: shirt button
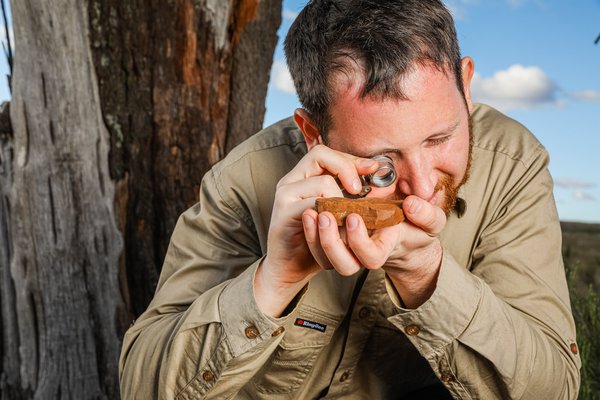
(251,332)
(208,376)
(447,378)
(344,377)
(574,349)
(278,331)
(364,313)
(412,330)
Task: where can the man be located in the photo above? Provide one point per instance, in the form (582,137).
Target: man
(261,297)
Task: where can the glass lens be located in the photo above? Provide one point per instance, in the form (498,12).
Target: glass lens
(385,174)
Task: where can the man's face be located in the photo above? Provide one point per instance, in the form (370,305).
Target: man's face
(426,136)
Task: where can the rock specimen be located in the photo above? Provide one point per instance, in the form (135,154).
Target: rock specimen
(377,213)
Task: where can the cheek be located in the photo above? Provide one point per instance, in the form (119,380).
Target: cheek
(455,158)
(459,162)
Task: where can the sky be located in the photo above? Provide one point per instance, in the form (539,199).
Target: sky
(535,60)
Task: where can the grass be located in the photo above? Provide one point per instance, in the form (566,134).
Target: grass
(586,310)
(581,254)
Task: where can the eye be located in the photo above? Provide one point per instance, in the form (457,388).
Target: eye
(438,140)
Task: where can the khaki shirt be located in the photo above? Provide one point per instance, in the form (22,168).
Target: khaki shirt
(498,325)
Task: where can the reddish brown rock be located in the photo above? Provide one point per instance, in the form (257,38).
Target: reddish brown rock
(377,213)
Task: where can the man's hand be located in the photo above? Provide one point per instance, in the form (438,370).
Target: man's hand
(409,252)
(289,264)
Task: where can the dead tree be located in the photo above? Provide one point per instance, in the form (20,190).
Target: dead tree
(119,107)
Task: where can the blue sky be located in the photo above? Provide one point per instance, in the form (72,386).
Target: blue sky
(535,60)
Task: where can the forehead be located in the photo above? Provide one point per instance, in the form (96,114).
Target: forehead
(432,104)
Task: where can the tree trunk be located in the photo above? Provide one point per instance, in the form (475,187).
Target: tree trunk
(119,107)
(65,243)
(181,82)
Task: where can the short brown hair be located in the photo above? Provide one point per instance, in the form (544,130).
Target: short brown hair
(384,37)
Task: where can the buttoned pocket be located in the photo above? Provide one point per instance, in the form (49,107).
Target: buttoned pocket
(393,360)
(294,358)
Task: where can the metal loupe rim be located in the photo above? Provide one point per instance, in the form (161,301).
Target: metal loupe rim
(376,179)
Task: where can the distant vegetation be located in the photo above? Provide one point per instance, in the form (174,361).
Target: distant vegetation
(581,249)
(581,252)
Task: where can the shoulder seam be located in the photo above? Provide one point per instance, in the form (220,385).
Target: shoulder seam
(526,162)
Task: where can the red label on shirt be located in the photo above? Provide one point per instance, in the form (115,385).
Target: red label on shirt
(310,324)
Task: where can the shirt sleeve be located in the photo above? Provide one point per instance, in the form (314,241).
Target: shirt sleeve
(502,326)
(203,335)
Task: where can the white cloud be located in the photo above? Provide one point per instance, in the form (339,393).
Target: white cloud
(577,188)
(586,95)
(289,14)
(280,75)
(517,87)
(569,183)
(581,195)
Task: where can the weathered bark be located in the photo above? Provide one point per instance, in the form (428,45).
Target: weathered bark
(8,323)
(181,82)
(65,243)
(119,107)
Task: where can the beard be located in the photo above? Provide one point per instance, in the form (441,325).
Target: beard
(447,184)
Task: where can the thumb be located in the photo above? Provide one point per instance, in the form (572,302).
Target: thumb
(430,218)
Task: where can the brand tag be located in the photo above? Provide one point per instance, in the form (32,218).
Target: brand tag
(310,324)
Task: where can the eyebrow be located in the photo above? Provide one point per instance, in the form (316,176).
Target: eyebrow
(441,132)
(446,130)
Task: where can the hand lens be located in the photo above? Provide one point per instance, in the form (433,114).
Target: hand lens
(384,176)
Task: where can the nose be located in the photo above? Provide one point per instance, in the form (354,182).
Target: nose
(416,176)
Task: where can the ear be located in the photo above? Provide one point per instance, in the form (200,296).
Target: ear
(468,69)
(308,128)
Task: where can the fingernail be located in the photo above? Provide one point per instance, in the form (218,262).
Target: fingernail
(323,221)
(352,222)
(412,206)
(357,185)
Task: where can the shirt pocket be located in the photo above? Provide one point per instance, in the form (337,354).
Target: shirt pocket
(393,360)
(294,358)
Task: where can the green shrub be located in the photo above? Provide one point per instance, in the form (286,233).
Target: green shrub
(586,310)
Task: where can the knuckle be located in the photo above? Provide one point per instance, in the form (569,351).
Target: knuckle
(321,147)
(372,263)
(328,180)
(282,182)
(317,151)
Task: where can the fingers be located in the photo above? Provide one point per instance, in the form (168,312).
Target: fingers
(428,217)
(293,198)
(371,251)
(347,254)
(327,245)
(396,245)
(311,234)
(323,160)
